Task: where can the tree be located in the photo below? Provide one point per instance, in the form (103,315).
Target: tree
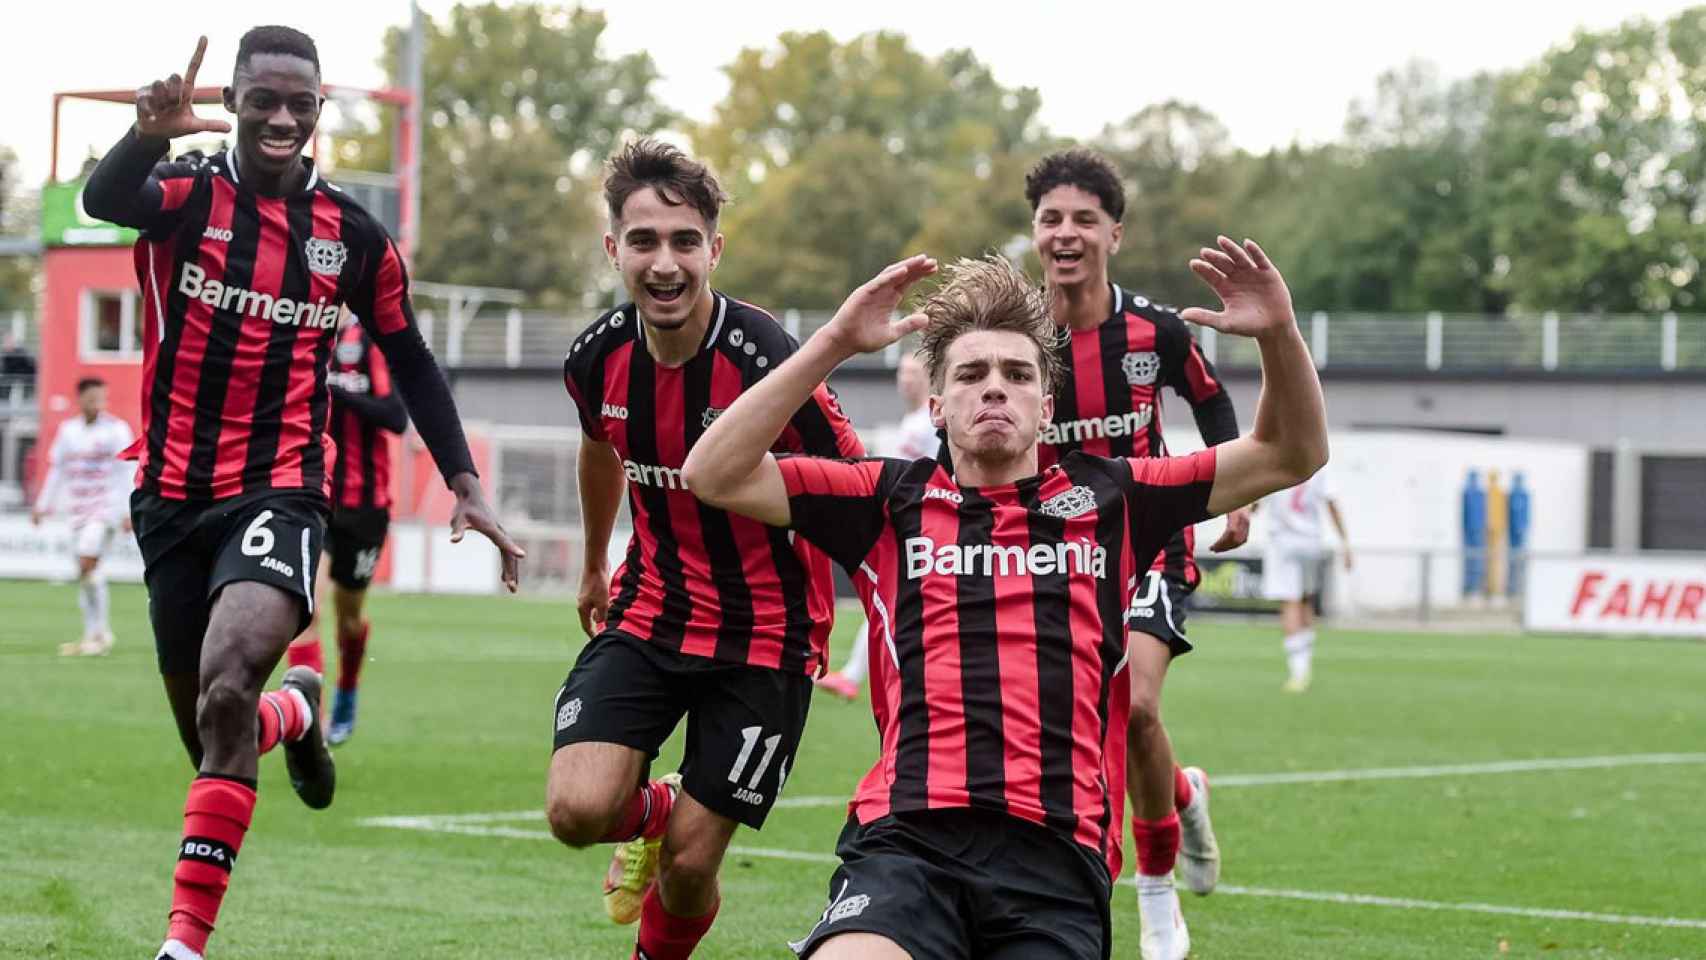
(17,274)
(845,157)
(520,109)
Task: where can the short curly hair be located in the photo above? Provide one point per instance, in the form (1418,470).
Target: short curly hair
(277,39)
(1085,169)
(987,294)
(673,175)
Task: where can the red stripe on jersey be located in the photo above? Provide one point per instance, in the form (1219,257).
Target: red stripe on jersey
(637,617)
(1089,385)
(192,348)
(154,268)
(753,541)
(174,191)
(379,467)
(389,291)
(307,378)
(1089,728)
(870,799)
(1174,471)
(1202,383)
(1021,714)
(670,395)
(243,387)
(943,691)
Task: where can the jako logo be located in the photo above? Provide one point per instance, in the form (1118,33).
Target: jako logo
(217,233)
(350,381)
(649,475)
(923,557)
(939,493)
(273,563)
(615,412)
(1094,428)
(195,285)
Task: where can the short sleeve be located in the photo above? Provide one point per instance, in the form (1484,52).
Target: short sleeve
(840,506)
(821,428)
(1167,494)
(575,381)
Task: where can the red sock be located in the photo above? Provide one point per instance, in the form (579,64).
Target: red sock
(216,815)
(664,936)
(306,653)
(645,815)
(282,718)
(352,650)
(1157,844)
(1182,793)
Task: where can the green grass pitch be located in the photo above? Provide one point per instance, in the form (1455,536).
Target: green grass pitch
(456,720)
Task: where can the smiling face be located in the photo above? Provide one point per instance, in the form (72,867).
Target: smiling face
(665,253)
(992,399)
(1074,237)
(276,98)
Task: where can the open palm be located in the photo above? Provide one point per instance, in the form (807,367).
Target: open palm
(1253,296)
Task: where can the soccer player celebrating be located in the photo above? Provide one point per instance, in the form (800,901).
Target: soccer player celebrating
(989,827)
(364,409)
(87,482)
(714,616)
(245,261)
(915,439)
(1118,351)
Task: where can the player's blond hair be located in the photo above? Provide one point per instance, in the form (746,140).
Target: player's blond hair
(987,294)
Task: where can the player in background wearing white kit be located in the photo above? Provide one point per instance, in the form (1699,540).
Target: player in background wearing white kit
(89,484)
(1292,565)
(914,440)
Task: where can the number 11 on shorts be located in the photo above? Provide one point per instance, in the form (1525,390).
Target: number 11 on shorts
(750,735)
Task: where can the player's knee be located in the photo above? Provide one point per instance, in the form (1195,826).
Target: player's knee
(691,869)
(1145,711)
(349,624)
(574,821)
(225,709)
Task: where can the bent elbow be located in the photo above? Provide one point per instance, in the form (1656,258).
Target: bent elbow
(698,478)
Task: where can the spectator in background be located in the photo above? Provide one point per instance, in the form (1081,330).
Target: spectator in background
(1294,565)
(17,370)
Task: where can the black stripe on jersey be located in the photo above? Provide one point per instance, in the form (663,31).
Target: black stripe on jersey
(1111,597)
(670,626)
(1065,393)
(734,599)
(796,635)
(218,362)
(186,249)
(274,374)
(980,664)
(912,741)
(1051,606)
(628,588)
(1116,392)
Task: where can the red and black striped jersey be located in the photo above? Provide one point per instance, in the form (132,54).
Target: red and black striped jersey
(698,579)
(998,643)
(242,296)
(361,398)
(1108,403)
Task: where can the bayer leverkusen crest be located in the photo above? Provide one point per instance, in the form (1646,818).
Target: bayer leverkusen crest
(1141,367)
(325,257)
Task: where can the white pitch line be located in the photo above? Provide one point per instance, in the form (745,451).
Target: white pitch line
(1457,769)
(460,824)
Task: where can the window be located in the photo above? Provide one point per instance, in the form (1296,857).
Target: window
(109,326)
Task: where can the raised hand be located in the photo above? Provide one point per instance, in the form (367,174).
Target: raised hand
(865,322)
(1253,296)
(165,108)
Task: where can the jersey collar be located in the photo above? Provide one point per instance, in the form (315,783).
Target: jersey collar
(313,171)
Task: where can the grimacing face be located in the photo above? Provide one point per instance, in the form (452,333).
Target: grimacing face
(1074,236)
(665,253)
(276,99)
(992,400)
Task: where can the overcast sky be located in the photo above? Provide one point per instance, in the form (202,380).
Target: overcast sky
(1272,71)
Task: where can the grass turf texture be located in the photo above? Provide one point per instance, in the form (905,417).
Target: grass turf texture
(456,715)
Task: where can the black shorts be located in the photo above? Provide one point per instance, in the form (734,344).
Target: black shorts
(353,541)
(743,723)
(192,548)
(956,884)
(1159,609)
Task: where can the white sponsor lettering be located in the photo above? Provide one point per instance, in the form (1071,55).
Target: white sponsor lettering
(350,380)
(615,412)
(924,556)
(194,848)
(940,493)
(1094,428)
(747,796)
(195,284)
(274,563)
(217,233)
(651,475)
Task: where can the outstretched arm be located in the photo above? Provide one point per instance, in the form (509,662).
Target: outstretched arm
(1289,440)
(731,466)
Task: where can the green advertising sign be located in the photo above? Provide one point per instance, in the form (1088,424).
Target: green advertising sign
(64,223)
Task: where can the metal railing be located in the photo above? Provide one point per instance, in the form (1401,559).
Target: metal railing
(1471,343)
